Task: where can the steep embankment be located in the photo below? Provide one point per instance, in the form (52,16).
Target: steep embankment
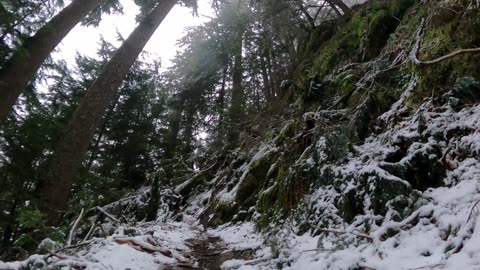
(377,160)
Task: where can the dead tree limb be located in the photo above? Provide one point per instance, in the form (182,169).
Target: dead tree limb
(107,214)
(74,227)
(472,210)
(416,50)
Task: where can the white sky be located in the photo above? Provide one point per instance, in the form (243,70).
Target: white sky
(85,40)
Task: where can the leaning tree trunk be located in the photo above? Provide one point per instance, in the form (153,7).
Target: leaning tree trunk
(72,147)
(26,61)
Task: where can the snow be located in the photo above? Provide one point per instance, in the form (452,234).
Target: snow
(123,256)
(239,237)
(438,228)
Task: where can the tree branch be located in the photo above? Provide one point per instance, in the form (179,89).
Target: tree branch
(74,227)
(416,50)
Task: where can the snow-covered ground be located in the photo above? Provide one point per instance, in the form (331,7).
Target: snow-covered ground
(438,231)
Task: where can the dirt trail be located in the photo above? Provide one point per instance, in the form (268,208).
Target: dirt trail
(209,253)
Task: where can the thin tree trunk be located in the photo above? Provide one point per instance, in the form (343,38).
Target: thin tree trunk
(26,61)
(73,145)
(7,234)
(266,81)
(237,92)
(221,95)
(270,71)
(171,137)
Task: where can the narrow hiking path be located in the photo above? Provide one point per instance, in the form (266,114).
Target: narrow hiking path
(209,252)
(153,246)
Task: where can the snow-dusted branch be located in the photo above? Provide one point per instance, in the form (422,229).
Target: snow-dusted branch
(416,50)
(74,227)
(361,235)
(107,214)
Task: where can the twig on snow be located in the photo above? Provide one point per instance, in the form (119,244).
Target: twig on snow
(472,210)
(73,246)
(432,266)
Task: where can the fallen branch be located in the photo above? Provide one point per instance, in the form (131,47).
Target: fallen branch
(420,35)
(74,228)
(147,244)
(53,254)
(432,266)
(73,246)
(107,214)
(361,235)
(317,250)
(472,210)
(94,224)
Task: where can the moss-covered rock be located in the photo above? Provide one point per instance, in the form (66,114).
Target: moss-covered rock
(253,180)
(223,212)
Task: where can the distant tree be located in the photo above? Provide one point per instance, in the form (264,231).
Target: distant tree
(153,201)
(72,147)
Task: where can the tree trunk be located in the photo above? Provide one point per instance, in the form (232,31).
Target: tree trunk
(175,118)
(101,132)
(237,92)
(271,76)
(72,147)
(221,95)
(266,80)
(26,61)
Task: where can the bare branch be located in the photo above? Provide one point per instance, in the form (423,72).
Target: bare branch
(107,214)
(74,227)
(361,235)
(416,50)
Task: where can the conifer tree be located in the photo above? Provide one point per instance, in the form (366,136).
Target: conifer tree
(25,62)
(72,147)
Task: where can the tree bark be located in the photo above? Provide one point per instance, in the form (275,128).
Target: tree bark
(26,61)
(72,147)
(237,91)
(221,95)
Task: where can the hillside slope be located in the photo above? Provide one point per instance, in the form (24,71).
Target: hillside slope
(370,161)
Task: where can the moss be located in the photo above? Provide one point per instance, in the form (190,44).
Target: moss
(399,7)
(254,180)
(441,39)
(247,189)
(284,195)
(223,212)
(377,20)
(289,130)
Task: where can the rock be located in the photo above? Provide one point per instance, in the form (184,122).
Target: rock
(285,84)
(46,246)
(443,15)
(465,90)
